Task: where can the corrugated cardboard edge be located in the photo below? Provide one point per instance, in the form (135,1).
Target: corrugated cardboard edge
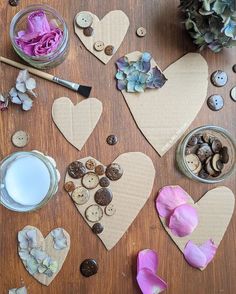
(58,255)
(163,115)
(76,122)
(215,210)
(130,194)
(111,29)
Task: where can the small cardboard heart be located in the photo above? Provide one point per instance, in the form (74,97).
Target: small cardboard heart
(215,210)
(47,245)
(130,193)
(111,30)
(76,122)
(163,115)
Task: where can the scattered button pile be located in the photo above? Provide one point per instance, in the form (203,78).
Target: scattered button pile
(206,156)
(84,20)
(94,180)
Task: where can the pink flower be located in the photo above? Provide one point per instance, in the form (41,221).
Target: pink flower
(147,265)
(40,38)
(48,43)
(200,256)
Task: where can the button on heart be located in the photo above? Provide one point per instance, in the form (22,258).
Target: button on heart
(130,192)
(109,31)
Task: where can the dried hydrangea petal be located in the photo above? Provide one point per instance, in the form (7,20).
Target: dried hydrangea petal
(150,283)
(22,290)
(4,101)
(42,269)
(199,256)
(13,92)
(122,63)
(24,254)
(31,265)
(183,221)
(59,238)
(147,258)
(30,84)
(169,197)
(38,254)
(27,238)
(32,237)
(53,266)
(21,87)
(22,76)
(156,78)
(121,85)
(16,100)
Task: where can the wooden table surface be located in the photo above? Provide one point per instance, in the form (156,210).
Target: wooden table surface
(167,40)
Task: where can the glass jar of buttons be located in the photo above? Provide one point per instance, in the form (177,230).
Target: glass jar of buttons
(207,154)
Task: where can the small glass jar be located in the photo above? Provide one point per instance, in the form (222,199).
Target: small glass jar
(28,180)
(226,139)
(19,23)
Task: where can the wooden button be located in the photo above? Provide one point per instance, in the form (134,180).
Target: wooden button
(94,213)
(193,141)
(100,170)
(99,46)
(90,164)
(192,162)
(114,171)
(104,182)
(204,152)
(97,228)
(90,180)
(234,68)
(84,19)
(69,186)
(233,94)
(76,169)
(112,139)
(88,32)
(89,267)
(109,50)
(103,196)
(203,174)
(80,195)
(224,156)
(110,210)
(215,102)
(141,32)
(216,146)
(20,139)
(208,167)
(216,163)
(219,78)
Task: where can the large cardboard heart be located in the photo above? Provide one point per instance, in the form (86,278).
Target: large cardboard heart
(76,122)
(47,245)
(111,30)
(130,193)
(163,115)
(215,210)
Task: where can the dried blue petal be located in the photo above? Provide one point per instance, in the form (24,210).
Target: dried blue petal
(156,78)
(131,87)
(121,84)
(120,75)
(146,57)
(122,63)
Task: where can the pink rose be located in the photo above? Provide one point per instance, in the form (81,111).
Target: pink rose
(40,38)
(48,43)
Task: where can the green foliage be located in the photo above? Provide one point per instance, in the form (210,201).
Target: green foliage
(211,23)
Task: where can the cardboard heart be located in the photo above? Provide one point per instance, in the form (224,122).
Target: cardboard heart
(163,115)
(47,245)
(76,122)
(111,30)
(215,210)
(130,193)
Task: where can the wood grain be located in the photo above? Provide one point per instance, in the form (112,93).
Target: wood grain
(167,40)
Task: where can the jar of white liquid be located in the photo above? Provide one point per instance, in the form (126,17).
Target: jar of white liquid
(27,180)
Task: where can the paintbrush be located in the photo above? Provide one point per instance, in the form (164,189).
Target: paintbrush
(83,90)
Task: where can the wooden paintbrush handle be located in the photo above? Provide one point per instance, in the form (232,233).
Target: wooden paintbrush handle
(34,71)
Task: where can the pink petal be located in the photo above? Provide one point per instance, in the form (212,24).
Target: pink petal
(38,23)
(199,256)
(147,258)
(183,221)
(149,283)
(169,197)
(209,249)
